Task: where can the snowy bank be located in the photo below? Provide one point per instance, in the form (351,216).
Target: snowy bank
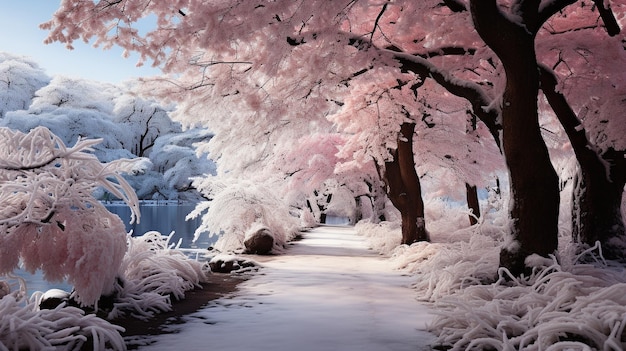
(563,305)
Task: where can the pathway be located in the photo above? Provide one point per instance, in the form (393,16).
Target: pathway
(327,292)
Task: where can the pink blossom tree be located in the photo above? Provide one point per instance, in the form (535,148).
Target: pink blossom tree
(271,66)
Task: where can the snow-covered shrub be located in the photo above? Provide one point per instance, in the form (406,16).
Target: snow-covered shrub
(237,208)
(50,220)
(307,220)
(561,306)
(441,269)
(23,326)
(384,237)
(457,257)
(581,308)
(153,273)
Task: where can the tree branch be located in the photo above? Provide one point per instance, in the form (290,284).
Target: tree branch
(468,90)
(455,5)
(564,112)
(608,17)
(380,15)
(420,66)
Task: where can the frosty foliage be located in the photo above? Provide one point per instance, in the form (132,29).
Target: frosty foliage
(128,125)
(23,326)
(283,91)
(562,305)
(154,272)
(50,221)
(286,69)
(145,121)
(20,78)
(235,209)
(65,328)
(175,161)
(556,308)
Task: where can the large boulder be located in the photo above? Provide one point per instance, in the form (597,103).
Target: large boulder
(259,241)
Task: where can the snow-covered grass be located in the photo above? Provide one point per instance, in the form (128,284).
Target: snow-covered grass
(565,304)
(23,326)
(582,307)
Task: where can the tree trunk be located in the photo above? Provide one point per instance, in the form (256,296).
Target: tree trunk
(472,203)
(404,188)
(596,209)
(534,183)
(598,191)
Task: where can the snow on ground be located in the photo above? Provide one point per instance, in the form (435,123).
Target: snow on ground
(327,292)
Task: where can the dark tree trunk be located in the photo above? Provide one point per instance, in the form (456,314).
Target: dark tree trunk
(377,198)
(472,203)
(404,188)
(598,191)
(596,210)
(358,205)
(534,183)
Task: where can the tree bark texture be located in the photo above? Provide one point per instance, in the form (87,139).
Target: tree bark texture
(534,192)
(404,188)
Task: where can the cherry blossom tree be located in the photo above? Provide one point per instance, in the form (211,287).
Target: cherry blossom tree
(315,169)
(581,82)
(281,65)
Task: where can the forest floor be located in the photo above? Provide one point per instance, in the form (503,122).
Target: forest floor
(327,291)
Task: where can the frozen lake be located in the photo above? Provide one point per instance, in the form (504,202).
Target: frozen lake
(165,218)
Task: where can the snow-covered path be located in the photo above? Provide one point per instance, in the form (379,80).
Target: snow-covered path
(327,292)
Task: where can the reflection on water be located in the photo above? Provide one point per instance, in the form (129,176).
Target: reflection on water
(163,218)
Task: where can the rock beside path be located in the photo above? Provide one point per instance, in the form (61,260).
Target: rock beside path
(259,242)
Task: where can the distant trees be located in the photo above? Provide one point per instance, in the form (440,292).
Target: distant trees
(145,120)
(260,69)
(128,125)
(20,78)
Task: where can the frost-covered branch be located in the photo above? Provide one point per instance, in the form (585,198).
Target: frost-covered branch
(481,103)
(50,219)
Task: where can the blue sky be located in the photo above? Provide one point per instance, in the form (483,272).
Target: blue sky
(20,35)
